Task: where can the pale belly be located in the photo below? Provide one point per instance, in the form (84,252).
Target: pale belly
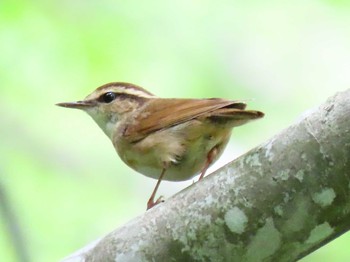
(182,158)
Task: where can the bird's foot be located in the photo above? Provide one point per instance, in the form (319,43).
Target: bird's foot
(151,203)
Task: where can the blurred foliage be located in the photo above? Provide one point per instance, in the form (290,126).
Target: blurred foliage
(64,181)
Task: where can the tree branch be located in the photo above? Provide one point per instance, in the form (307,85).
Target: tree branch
(278,202)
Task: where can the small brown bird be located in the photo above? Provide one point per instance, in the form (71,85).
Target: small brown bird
(164,138)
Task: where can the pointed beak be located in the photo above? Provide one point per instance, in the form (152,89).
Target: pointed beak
(78,104)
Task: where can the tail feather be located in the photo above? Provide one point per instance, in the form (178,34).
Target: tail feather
(234,117)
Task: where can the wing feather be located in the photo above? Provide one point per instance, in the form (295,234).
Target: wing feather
(164,113)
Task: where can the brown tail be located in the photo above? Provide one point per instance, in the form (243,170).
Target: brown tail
(234,117)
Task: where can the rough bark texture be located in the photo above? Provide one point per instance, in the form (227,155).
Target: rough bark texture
(278,202)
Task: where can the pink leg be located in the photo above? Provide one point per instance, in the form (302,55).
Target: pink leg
(210,157)
(151,202)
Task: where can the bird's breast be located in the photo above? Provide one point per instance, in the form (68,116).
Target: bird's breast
(181,151)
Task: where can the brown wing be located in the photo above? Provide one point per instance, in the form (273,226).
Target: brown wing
(164,113)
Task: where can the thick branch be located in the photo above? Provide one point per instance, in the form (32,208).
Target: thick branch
(279,202)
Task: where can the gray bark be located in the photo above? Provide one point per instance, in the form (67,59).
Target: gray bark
(278,202)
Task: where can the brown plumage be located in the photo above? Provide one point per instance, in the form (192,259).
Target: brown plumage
(164,138)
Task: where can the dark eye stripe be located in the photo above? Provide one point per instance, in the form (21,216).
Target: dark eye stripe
(111,96)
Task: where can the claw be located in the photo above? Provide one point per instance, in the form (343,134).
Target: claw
(152,203)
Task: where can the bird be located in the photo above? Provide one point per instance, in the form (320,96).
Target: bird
(171,139)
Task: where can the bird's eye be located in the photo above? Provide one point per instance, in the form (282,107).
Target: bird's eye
(108,97)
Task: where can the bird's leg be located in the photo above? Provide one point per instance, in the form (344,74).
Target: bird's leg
(151,202)
(210,157)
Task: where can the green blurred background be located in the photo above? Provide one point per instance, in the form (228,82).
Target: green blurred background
(64,182)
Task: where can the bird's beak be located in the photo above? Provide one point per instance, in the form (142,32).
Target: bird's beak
(78,104)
